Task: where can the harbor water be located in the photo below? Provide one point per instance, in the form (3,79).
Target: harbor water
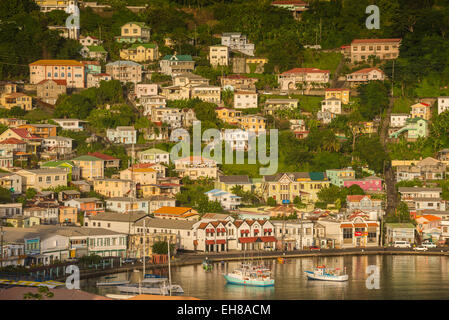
(401,277)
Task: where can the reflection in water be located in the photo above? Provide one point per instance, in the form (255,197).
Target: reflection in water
(401,277)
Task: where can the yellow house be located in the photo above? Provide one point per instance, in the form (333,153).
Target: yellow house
(140,52)
(340,94)
(289,185)
(91,167)
(16,222)
(229,116)
(134,32)
(226,183)
(139,175)
(16,99)
(254,123)
(40,179)
(68,215)
(421,110)
(114,187)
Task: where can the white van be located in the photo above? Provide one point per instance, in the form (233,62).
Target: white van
(401,244)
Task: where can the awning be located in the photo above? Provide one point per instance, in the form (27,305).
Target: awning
(247,239)
(346,225)
(220,241)
(360,225)
(210,241)
(195,242)
(268,239)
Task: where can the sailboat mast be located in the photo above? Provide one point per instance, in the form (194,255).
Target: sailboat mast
(144,251)
(169,271)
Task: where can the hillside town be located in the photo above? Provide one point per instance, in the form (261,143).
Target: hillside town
(85,144)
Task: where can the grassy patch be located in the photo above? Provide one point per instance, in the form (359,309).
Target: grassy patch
(322,60)
(428,88)
(402,105)
(305,103)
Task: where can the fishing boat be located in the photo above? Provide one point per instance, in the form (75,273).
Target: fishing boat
(152,276)
(207,265)
(156,286)
(327,274)
(250,275)
(111,283)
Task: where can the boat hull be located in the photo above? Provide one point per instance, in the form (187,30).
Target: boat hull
(254,283)
(326,277)
(111,283)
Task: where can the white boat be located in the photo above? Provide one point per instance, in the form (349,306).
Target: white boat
(250,275)
(327,274)
(152,286)
(112,283)
(120,296)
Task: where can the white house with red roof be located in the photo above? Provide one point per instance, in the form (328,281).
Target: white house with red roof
(305,76)
(366,204)
(365,75)
(24,135)
(13,145)
(229,234)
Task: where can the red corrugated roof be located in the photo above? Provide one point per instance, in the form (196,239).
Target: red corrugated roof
(58,82)
(375,40)
(102,156)
(12,141)
(305,70)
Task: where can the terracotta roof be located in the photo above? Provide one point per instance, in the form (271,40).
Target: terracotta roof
(56,63)
(173,210)
(12,141)
(58,82)
(297,2)
(237,76)
(375,40)
(356,198)
(366,70)
(305,70)
(337,89)
(23,133)
(346,225)
(102,156)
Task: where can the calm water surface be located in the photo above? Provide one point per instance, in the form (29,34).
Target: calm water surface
(401,277)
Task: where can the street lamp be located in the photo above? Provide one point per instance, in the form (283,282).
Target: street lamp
(1,246)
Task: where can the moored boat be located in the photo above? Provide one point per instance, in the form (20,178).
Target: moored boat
(327,274)
(157,286)
(249,275)
(112,283)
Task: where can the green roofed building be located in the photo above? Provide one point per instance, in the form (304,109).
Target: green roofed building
(174,65)
(154,156)
(74,171)
(91,167)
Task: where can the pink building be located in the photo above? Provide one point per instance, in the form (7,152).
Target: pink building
(69,70)
(367,184)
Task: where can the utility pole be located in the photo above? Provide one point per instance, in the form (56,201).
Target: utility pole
(1,246)
(144,251)
(169,271)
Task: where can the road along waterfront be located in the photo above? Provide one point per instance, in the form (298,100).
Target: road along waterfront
(402,276)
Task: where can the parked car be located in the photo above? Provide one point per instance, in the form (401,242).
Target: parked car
(420,248)
(315,248)
(428,244)
(130,260)
(401,244)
